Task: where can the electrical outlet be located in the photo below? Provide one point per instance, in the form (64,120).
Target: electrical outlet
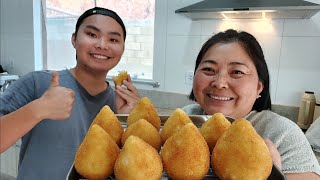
(189,77)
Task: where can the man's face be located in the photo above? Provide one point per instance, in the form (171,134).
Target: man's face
(99,43)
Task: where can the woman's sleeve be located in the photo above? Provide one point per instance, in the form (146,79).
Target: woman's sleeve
(293,146)
(296,153)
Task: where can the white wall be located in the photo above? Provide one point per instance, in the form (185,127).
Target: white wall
(22,36)
(17,42)
(291,47)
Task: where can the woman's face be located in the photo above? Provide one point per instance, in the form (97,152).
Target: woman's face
(226,81)
(99,43)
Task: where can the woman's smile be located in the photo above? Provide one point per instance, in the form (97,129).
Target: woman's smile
(220,98)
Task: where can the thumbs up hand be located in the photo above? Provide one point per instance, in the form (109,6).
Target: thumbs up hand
(55,79)
(57,101)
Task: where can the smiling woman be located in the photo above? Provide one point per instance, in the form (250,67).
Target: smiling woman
(231,77)
(226,66)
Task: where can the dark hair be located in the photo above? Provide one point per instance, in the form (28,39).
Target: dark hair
(102,11)
(253,49)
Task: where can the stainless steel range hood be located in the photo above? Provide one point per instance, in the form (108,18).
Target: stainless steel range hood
(250,9)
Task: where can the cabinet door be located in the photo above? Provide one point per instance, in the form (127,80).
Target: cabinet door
(8,161)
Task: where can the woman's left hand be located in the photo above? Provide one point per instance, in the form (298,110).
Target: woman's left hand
(126,98)
(276,158)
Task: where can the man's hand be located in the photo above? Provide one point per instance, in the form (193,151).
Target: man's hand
(126,98)
(57,101)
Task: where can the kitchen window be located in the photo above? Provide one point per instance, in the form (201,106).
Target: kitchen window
(138,17)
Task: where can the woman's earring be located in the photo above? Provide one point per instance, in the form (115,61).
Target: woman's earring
(259,96)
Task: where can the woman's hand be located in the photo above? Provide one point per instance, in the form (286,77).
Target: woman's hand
(276,158)
(127,97)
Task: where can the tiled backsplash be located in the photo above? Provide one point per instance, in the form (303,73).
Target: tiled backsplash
(167,102)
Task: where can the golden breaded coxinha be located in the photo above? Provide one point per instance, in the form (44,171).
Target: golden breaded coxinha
(213,129)
(144,110)
(138,161)
(110,123)
(97,154)
(174,123)
(185,155)
(145,131)
(241,153)
(123,75)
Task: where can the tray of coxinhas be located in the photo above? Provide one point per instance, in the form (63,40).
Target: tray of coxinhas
(276,174)
(198,121)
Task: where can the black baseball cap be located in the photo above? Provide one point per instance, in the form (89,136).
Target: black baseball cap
(102,11)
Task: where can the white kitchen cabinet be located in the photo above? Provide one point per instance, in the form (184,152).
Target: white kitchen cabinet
(9,160)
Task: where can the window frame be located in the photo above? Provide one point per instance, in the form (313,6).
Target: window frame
(157,81)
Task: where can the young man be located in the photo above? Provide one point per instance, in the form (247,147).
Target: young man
(52,111)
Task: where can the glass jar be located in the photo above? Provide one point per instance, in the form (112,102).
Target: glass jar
(316,113)
(306,110)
